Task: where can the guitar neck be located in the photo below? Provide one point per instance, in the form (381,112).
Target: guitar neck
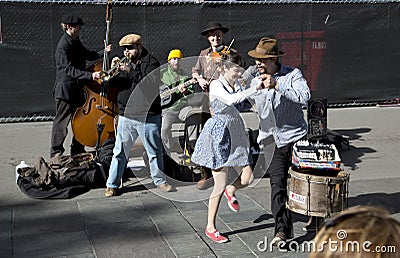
(173,89)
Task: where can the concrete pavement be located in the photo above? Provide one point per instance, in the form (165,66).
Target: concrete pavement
(144,223)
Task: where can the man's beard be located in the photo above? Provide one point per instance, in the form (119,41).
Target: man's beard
(261,69)
(175,67)
(135,57)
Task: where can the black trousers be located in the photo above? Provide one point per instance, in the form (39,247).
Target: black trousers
(64,114)
(278,172)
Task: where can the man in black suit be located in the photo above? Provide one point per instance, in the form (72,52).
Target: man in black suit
(71,74)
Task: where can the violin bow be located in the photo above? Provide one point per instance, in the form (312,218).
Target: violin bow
(230,45)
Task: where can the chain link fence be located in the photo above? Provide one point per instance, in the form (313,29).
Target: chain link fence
(333,42)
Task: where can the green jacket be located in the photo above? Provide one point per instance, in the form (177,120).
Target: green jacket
(172,78)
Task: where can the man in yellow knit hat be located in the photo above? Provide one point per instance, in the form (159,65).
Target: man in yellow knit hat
(176,85)
(175,53)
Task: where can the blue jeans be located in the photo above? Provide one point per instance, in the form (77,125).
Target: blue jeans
(127,132)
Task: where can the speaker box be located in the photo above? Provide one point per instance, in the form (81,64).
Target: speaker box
(317,119)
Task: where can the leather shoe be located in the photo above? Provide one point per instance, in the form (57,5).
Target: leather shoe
(165,187)
(279,237)
(110,192)
(313,224)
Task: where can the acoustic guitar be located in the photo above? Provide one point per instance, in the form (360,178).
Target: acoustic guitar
(166,92)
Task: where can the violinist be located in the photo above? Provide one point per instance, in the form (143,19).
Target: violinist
(71,74)
(205,70)
(139,108)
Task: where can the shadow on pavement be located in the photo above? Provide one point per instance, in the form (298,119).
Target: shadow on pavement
(249,229)
(388,201)
(263,217)
(352,156)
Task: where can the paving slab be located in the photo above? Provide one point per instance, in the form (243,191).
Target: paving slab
(142,222)
(55,244)
(136,238)
(188,245)
(46,217)
(6,244)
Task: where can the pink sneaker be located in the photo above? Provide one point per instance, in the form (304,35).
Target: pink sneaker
(216,236)
(232,201)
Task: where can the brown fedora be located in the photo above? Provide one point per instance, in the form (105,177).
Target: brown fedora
(214,26)
(266,48)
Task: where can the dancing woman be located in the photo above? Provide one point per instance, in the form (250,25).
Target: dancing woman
(223,145)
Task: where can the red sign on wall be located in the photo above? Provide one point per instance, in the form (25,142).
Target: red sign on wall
(304,50)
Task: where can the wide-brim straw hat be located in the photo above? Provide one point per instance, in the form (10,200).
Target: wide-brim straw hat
(266,48)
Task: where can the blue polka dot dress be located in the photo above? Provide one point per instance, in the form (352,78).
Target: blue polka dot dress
(223,142)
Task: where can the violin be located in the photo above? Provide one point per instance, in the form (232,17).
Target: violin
(220,52)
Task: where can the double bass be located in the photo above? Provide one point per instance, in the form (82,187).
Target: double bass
(93,123)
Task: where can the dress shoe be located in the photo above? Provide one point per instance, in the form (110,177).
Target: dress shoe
(165,187)
(110,192)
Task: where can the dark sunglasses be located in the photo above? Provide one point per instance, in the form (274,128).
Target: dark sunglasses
(129,47)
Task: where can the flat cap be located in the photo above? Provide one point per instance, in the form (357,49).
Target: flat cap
(130,39)
(72,19)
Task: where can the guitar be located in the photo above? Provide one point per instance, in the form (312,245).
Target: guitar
(166,92)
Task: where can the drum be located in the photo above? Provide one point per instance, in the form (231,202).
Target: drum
(316,195)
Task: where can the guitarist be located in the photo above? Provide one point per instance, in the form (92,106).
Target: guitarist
(174,103)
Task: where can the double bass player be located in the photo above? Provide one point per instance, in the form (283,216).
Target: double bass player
(71,74)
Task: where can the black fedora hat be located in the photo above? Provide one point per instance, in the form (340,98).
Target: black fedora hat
(72,19)
(214,26)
